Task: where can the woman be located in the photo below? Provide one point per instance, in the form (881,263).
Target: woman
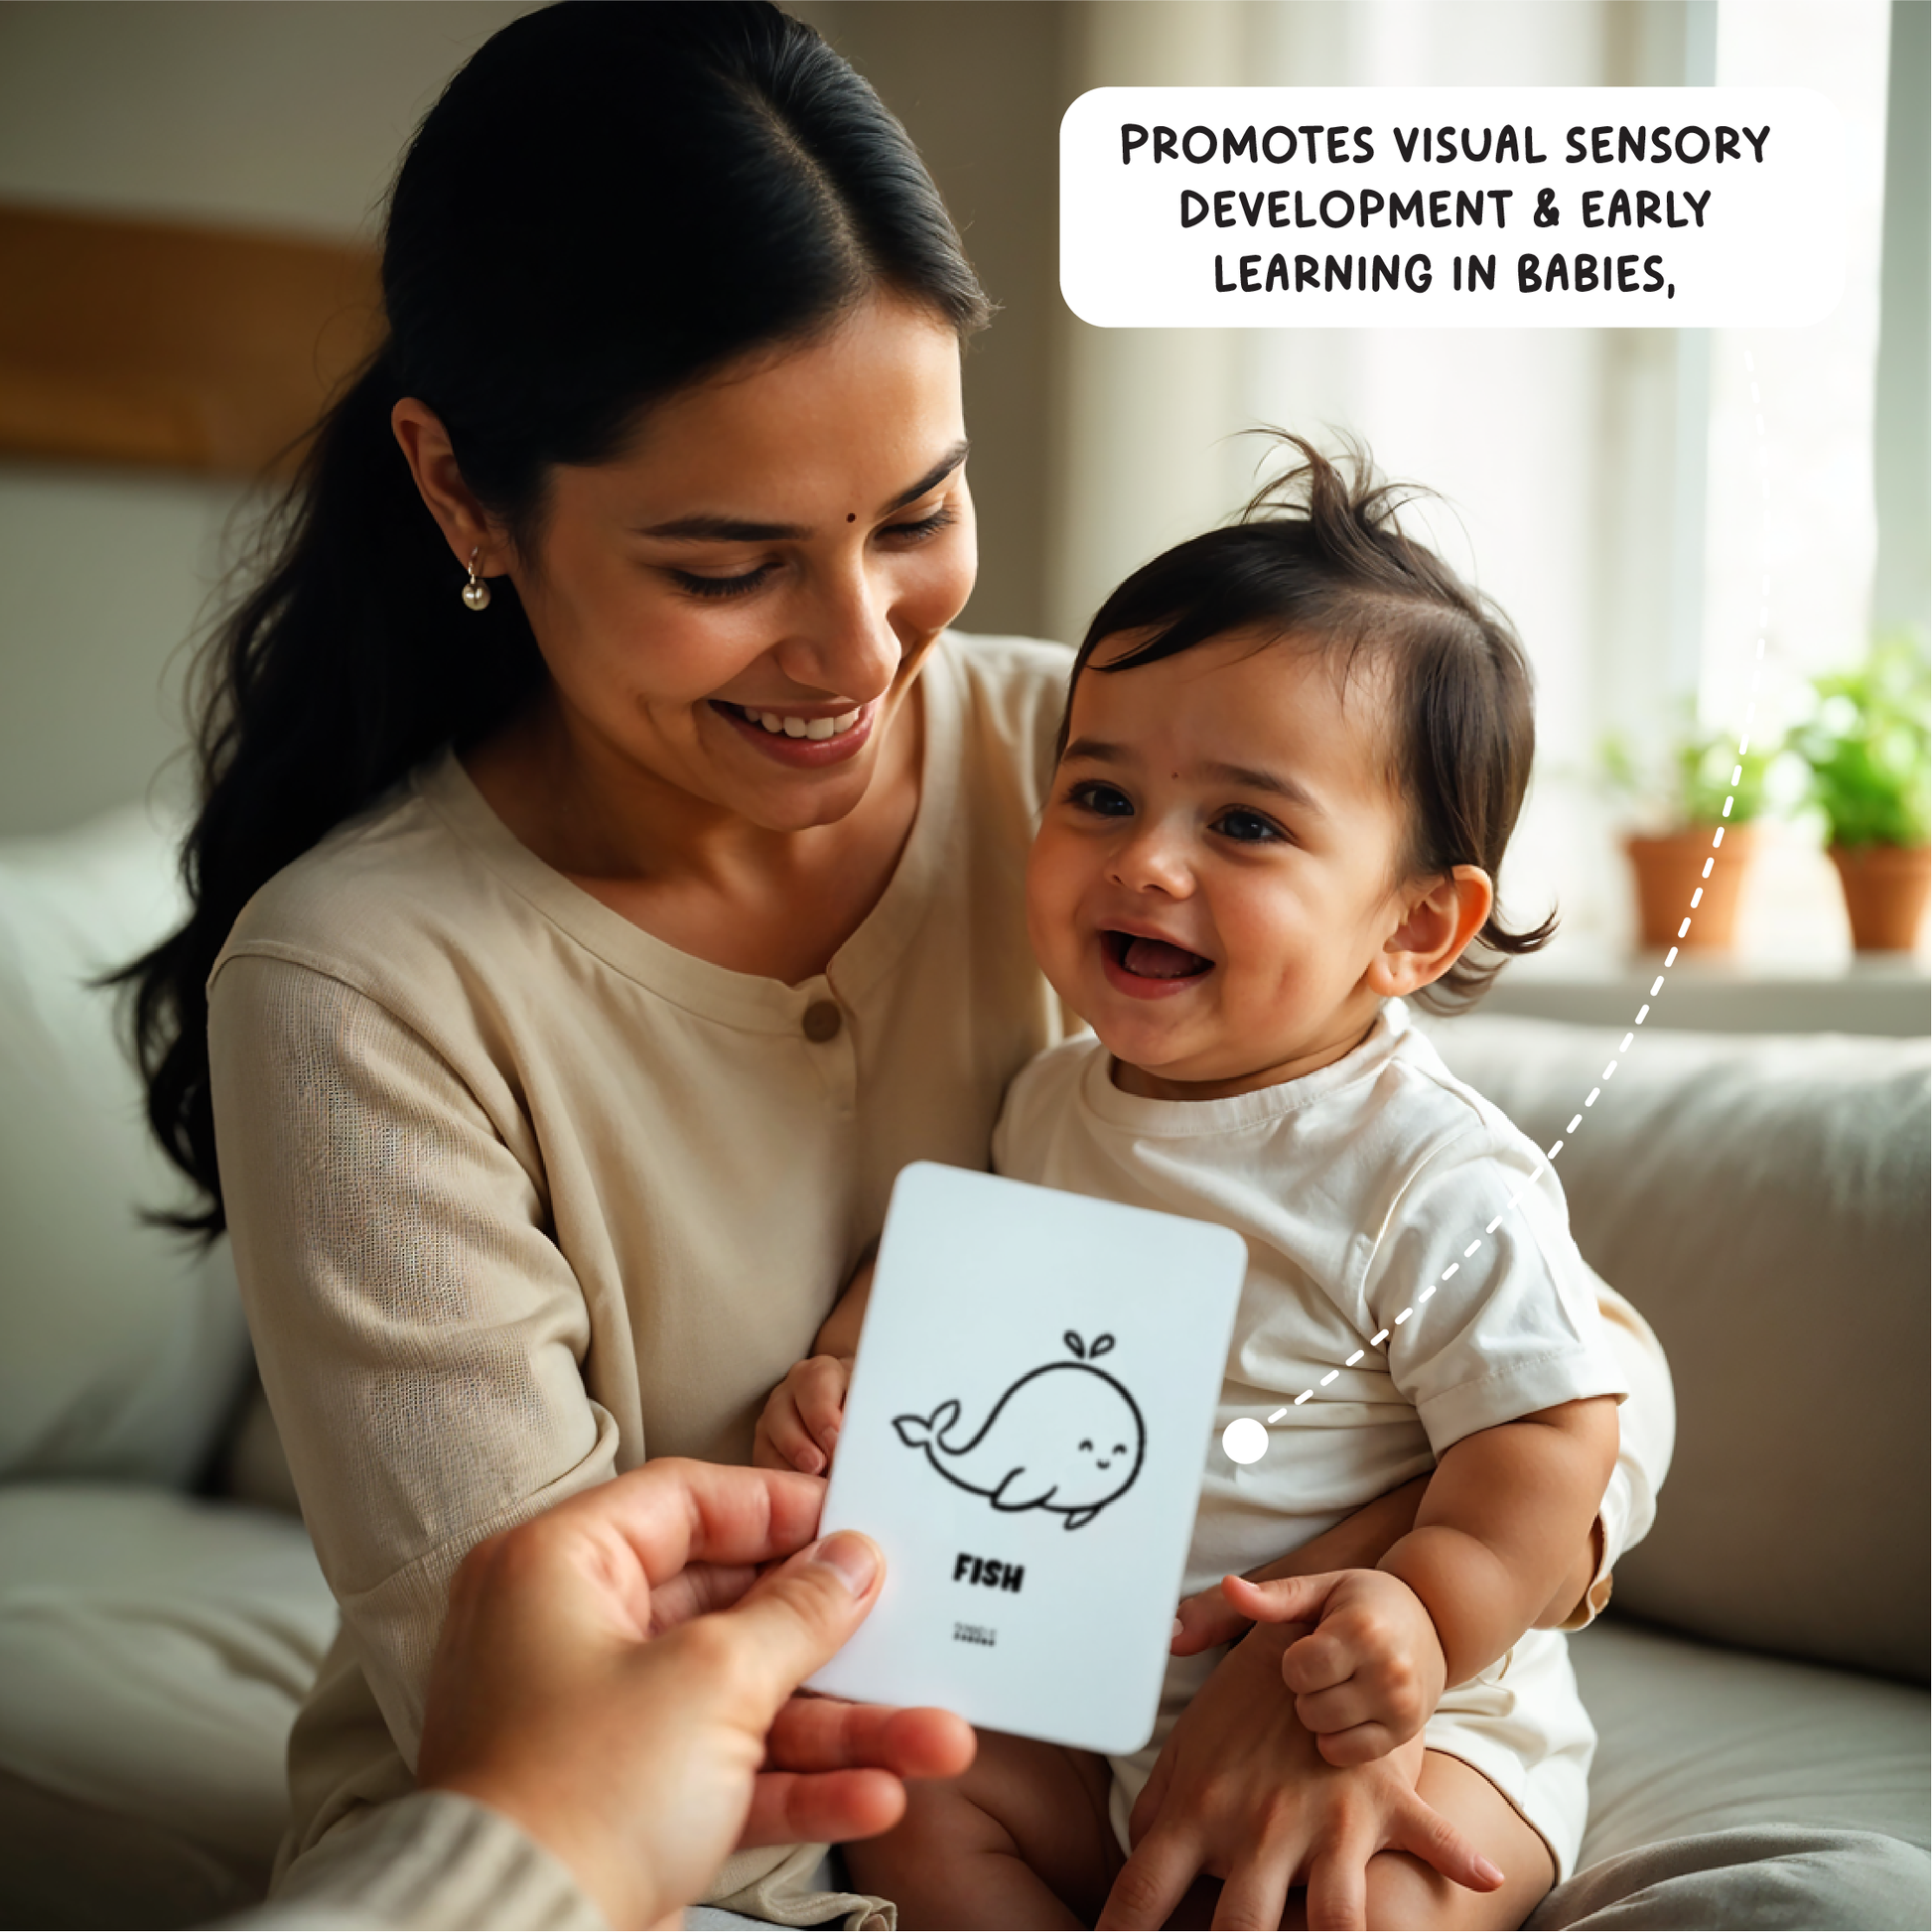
(610,876)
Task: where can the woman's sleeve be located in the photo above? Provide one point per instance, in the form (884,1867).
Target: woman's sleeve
(420,1335)
(1647,1425)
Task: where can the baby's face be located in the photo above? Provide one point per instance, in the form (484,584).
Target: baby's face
(1216,873)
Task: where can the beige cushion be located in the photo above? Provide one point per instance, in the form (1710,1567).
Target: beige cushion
(62,1863)
(1772,1875)
(152,1650)
(122,1349)
(1695,1738)
(1763,1201)
(1731,1790)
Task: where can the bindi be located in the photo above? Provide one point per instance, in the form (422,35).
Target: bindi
(852,516)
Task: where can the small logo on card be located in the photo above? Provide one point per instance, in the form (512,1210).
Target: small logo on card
(1065,1437)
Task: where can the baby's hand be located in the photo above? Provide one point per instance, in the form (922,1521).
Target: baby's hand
(801,1426)
(1369,1675)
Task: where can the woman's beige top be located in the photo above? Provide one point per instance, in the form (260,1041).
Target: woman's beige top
(520,1194)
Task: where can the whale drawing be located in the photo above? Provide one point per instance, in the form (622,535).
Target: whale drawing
(1064,1436)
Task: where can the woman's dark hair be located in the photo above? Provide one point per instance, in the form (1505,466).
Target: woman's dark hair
(607,203)
(1318,561)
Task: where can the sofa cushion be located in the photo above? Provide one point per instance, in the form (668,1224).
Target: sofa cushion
(1731,1790)
(66,1863)
(1763,1201)
(153,1651)
(1693,1739)
(1783,1877)
(122,1349)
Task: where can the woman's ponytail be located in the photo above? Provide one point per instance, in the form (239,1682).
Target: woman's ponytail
(351,662)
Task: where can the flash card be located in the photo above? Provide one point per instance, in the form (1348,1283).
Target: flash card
(1028,1419)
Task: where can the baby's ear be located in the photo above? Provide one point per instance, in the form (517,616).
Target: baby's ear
(1434,922)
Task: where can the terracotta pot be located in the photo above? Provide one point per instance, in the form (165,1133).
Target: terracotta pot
(1670,871)
(1885,892)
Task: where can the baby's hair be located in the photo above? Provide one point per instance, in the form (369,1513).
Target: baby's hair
(1318,559)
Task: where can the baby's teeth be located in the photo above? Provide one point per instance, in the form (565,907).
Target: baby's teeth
(821,727)
(796,728)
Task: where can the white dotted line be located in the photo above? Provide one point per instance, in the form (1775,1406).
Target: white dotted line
(1556,1147)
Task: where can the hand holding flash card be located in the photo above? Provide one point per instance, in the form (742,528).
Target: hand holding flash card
(1029,1418)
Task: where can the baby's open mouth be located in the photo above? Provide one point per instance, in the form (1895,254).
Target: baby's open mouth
(1156,959)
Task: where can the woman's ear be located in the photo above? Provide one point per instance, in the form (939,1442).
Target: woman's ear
(1436,920)
(466,524)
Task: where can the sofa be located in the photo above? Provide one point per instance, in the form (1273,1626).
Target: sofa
(1759,1682)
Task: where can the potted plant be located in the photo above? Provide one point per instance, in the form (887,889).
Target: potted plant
(1700,786)
(1870,753)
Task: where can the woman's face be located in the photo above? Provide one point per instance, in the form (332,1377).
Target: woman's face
(739,605)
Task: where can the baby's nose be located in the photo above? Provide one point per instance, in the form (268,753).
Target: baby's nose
(1154,859)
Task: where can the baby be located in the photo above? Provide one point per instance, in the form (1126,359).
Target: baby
(1294,753)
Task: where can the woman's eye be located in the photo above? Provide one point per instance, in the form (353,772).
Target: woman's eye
(1103,800)
(1247,828)
(926,527)
(722,586)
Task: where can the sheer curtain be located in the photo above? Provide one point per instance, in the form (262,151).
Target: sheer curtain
(1594,479)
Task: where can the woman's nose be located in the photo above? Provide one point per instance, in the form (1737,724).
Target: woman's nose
(845,644)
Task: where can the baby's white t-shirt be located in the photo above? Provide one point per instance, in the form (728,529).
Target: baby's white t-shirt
(1411,1268)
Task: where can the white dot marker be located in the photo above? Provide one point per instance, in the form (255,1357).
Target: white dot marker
(1245,1439)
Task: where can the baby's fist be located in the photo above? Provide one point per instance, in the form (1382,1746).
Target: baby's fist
(801,1426)
(1369,1675)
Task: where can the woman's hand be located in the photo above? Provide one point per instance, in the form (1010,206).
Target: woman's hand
(1370,1674)
(799,1428)
(1241,1793)
(613,1680)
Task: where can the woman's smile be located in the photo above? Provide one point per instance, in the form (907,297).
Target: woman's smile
(805,739)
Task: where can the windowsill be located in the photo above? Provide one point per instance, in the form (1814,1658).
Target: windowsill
(1872,992)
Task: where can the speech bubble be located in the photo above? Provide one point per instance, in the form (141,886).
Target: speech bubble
(1451,208)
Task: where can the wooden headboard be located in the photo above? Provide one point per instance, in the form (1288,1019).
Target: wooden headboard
(168,345)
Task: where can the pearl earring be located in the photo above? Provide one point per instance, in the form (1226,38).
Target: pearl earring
(475,592)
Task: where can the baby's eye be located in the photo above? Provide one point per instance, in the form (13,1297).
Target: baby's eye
(1103,800)
(1247,828)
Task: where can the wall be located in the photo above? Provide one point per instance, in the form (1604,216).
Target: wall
(279,116)
(979,88)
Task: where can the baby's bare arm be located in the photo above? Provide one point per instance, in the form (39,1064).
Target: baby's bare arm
(1499,1525)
